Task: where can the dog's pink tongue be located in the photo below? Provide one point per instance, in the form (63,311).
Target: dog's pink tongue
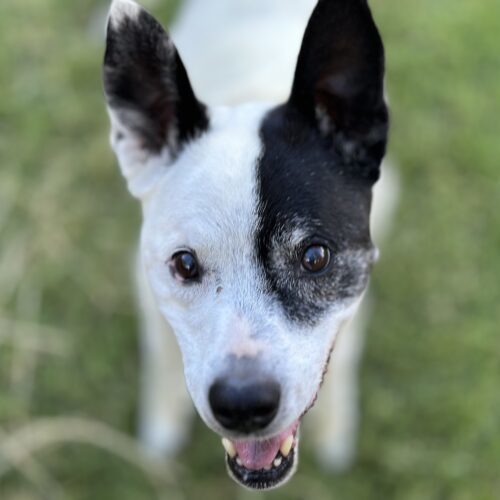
(257,455)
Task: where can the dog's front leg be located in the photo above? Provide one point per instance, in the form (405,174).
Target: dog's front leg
(334,420)
(165,406)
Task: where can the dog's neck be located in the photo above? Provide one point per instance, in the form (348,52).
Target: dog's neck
(248,47)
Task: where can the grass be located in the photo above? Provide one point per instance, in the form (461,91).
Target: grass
(68,356)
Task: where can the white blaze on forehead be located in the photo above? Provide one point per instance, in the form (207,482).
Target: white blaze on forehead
(122,9)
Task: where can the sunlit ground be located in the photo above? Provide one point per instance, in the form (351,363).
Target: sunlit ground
(68,357)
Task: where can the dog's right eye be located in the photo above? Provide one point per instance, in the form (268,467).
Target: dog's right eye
(316,258)
(185,266)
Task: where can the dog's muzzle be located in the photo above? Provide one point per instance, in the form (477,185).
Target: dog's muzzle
(263,464)
(245,407)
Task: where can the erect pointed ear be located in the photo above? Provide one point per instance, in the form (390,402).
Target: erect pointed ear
(151,103)
(339,82)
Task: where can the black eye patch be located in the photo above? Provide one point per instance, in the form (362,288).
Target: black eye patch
(307,295)
(305,189)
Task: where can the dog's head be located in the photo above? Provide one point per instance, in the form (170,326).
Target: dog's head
(256,236)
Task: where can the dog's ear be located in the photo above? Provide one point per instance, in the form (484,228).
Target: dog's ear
(339,82)
(150,100)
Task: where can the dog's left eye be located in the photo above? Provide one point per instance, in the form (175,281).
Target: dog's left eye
(316,258)
(185,266)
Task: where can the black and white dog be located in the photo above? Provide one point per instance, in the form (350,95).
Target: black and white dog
(256,249)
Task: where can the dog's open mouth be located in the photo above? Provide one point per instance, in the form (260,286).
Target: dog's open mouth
(263,464)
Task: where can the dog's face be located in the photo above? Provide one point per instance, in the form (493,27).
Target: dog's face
(256,237)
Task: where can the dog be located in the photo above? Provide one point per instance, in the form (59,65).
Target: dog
(256,248)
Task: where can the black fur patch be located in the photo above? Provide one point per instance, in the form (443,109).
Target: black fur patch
(147,85)
(321,155)
(339,81)
(304,186)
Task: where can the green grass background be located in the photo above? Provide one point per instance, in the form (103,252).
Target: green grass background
(68,345)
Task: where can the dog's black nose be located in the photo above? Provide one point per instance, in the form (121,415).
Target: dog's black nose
(244,407)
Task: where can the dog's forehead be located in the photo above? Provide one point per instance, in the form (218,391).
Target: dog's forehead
(208,198)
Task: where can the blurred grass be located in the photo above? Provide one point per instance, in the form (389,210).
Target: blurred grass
(431,406)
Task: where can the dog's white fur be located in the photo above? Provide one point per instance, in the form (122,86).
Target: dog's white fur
(123,9)
(254,46)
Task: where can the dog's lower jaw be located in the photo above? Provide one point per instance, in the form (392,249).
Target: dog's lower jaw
(278,472)
(265,464)
(277,475)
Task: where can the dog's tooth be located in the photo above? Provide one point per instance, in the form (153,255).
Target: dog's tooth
(286,446)
(229,447)
(239,462)
(277,462)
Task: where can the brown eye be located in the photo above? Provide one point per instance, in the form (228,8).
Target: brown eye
(316,258)
(185,266)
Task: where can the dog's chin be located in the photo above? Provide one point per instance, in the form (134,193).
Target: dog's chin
(266,463)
